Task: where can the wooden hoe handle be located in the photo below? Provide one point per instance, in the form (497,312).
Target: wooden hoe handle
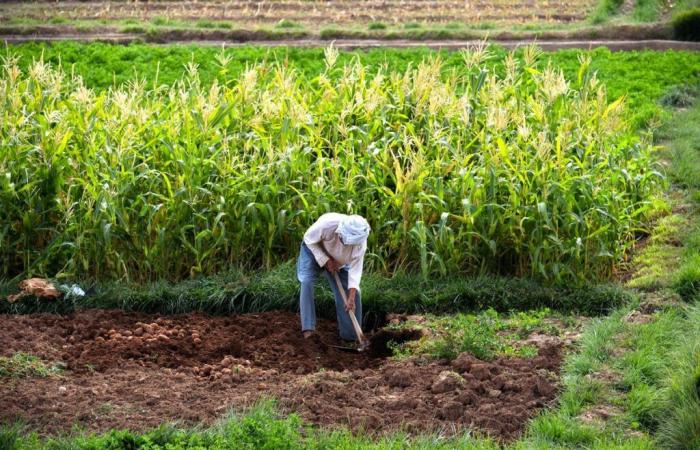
(358,330)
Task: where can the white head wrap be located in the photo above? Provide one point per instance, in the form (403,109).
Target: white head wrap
(353,230)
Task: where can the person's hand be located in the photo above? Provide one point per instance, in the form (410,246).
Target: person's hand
(350,303)
(332,265)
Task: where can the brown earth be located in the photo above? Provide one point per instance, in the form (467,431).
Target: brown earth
(130,370)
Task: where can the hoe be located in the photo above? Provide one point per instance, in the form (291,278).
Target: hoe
(378,343)
(362,342)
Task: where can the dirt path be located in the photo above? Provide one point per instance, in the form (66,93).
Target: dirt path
(137,371)
(360,44)
(355,44)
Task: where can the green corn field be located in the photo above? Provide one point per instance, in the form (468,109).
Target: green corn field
(457,170)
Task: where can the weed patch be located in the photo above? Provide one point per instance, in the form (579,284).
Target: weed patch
(21,365)
(486,335)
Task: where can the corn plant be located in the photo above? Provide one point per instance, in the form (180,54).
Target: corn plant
(518,172)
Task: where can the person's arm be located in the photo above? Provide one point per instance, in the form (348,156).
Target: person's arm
(354,277)
(313,238)
(355,272)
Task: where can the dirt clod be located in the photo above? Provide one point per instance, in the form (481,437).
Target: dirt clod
(463,362)
(400,378)
(480,371)
(447,381)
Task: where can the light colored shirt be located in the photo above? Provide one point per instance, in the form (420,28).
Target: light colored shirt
(323,241)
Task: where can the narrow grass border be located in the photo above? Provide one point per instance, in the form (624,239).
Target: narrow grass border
(237,292)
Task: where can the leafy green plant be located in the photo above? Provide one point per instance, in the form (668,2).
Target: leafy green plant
(466,333)
(376,26)
(525,322)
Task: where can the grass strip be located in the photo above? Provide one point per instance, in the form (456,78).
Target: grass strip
(236,292)
(262,427)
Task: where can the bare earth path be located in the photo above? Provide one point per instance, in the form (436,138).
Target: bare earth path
(354,44)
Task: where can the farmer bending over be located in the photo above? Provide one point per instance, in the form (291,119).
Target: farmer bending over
(336,243)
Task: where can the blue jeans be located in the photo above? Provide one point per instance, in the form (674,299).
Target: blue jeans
(307,273)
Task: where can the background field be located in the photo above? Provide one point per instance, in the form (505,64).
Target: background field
(338,19)
(429,184)
(630,373)
(308,13)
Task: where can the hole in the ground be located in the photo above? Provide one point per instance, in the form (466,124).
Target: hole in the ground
(380,341)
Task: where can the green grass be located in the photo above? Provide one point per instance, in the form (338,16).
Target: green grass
(262,427)
(605,10)
(237,292)
(212,24)
(160,21)
(376,26)
(22,365)
(656,265)
(286,23)
(648,10)
(684,154)
(642,11)
(679,415)
(486,335)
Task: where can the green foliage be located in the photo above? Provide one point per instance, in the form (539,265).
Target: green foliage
(135,29)
(286,23)
(686,25)
(376,26)
(238,292)
(681,96)
(160,21)
(647,10)
(604,10)
(525,322)
(485,335)
(679,414)
(262,427)
(21,365)
(169,183)
(474,334)
(688,278)
(211,24)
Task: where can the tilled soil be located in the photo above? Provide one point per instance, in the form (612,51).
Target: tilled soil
(130,370)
